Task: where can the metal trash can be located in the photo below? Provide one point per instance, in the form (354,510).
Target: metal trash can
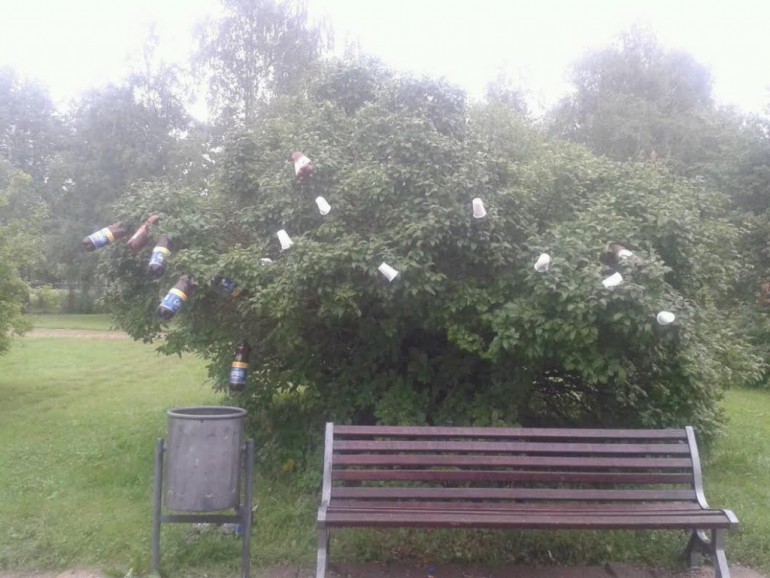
(203,458)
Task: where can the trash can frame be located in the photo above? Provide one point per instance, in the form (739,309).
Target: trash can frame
(242,516)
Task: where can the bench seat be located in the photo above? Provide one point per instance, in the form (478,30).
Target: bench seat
(518,478)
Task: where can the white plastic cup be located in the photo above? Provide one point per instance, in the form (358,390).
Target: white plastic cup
(543,263)
(285,240)
(613,280)
(323,206)
(665,317)
(265,260)
(478,208)
(389,272)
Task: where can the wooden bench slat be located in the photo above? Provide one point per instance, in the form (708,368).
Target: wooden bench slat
(511,476)
(341,431)
(509,447)
(512,461)
(510,494)
(446,477)
(341,505)
(576,521)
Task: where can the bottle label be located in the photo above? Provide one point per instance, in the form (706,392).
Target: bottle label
(102,238)
(158,258)
(173,300)
(228,285)
(238,371)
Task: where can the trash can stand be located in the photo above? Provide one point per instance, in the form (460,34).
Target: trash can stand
(243,515)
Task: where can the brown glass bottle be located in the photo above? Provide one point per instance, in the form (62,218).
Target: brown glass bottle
(139,239)
(227,285)
(157,265)
(240,366)
(176,296)
(105,236)
(303,166)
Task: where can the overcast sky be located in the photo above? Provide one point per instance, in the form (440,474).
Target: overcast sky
(73,45)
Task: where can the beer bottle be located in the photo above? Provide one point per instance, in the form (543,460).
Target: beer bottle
(303,167)
(227,285)
(105,236)
(176,296)
(157,264)
(239,367)
(139,239)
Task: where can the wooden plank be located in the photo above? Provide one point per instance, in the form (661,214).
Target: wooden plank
(341,505)
(492,432)
(639,463)
(510,447)
(638,521)
(489,476)
(510,494)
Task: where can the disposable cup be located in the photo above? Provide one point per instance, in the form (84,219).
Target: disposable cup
(613,280)
(284,239)
(543,263)
(478,208)
(389,272)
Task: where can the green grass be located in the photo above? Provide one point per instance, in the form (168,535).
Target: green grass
(78,424)
(737,476)
(95,322)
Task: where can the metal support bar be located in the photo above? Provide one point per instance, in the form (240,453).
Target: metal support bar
(246,521)
(156,506)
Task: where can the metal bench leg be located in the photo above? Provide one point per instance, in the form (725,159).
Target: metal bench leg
(323,553)
(718,550)
(156,507)
(697,546)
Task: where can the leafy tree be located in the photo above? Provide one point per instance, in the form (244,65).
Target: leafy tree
(20,247)
(30,130)
(637,100)
(119,135)
(255,49)
(468,332)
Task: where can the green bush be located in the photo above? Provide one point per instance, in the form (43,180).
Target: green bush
(469,332)
(46,299)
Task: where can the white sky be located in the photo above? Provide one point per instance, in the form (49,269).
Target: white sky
(73,45)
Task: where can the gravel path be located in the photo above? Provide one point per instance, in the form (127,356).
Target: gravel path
(77,333)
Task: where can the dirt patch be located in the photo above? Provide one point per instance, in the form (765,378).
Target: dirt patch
(77,334)
(81,573)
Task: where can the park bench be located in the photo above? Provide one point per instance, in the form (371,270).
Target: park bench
(523,478)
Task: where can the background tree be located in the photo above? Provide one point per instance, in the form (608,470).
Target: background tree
(20,247)
(257,48)
(30,128)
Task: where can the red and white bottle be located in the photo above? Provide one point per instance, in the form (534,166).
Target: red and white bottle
(303,167)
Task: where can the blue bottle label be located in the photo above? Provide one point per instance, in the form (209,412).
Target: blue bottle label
(228,285)
(102,238)
(158,258)
(238,373)
(173,301)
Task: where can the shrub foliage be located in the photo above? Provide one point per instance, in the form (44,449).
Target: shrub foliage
(469,332)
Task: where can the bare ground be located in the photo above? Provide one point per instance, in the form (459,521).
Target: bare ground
(77,333)
(446,571)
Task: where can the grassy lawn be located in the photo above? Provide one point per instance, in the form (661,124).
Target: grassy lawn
(95,322)
(78,424)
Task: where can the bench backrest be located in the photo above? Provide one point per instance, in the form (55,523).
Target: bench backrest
(522,464)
